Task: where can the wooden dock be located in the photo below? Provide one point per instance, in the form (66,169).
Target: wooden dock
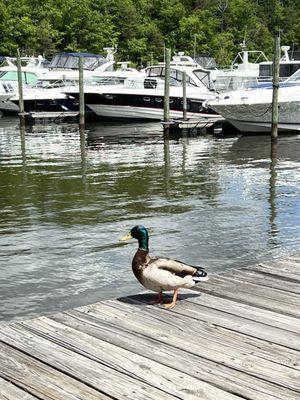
(235,338)
(195,124)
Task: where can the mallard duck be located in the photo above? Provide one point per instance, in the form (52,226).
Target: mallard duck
(161,273)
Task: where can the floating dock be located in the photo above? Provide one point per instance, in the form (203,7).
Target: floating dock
(236,337)
(51,116)
(195,124)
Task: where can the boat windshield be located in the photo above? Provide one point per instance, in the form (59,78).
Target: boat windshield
(206,61)
(27,77)
(204,77)
(295,77)
(175,75)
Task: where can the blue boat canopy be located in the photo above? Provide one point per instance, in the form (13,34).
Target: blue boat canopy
(71,60)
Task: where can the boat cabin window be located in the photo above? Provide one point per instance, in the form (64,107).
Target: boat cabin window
(286,70)
(109,80)
(150,83)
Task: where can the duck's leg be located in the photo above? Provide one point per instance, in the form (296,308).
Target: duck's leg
(159,300)
(173,304)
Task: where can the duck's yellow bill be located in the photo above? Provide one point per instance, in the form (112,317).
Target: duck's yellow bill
(126,237)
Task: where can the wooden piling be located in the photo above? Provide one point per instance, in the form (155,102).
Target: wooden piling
(274,127)
(81,94)
(167,90)
(20,87)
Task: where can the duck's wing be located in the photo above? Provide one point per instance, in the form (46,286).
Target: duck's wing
(173,266)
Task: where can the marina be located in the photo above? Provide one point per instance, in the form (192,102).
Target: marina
(234,337)
(149,190)
(179,91)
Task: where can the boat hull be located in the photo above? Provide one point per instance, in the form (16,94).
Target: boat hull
(142,113)
(251,115)
(143,107)
(256,127)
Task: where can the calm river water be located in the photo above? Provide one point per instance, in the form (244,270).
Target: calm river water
(66,199)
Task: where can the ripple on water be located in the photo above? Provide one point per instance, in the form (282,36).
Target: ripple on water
(66,201)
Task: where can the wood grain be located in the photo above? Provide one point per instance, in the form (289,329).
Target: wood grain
(233,337)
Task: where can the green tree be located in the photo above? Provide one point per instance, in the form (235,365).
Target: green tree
(142,27)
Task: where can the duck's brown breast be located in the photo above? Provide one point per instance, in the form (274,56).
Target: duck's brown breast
(139,263)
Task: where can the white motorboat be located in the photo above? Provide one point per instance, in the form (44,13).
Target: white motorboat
(287,66)
(32,69)
(250,110)
(62,69)
(142,96)
(242,72)
(250,67)
(46,96)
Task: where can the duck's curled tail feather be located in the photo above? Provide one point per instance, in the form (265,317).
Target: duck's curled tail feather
(200,275)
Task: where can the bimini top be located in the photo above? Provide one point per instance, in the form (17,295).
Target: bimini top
(71,61)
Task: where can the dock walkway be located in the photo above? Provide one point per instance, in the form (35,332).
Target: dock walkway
(235,338)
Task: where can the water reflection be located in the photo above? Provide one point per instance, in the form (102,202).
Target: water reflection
(83,153)
(23,150)
(68,195)
(167,165)
(272,199)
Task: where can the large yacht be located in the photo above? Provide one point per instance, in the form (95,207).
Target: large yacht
(250,67)
(142,96)
(250,110)
(46,95)
(32,69)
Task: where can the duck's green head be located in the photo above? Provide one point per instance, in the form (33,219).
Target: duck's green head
(140,233)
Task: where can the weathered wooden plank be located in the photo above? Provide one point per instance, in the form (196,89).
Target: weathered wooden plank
(283,263)
(41,380)
(279,273)
(243,325)
(212,350)
(267,317)
(237,339)
(96,374)
(230,325)
(266,298)
(259,278)
(233,325)
(294,259)
(226,281)
(242,384)
(215,325)
(288,263)
(8,391)
(176,383)
(292,268)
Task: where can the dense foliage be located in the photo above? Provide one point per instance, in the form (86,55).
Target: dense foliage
(141,28)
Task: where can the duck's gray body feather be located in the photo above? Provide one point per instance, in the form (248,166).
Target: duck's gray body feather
(162,273)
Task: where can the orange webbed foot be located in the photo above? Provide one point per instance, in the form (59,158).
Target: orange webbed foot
(169,306)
